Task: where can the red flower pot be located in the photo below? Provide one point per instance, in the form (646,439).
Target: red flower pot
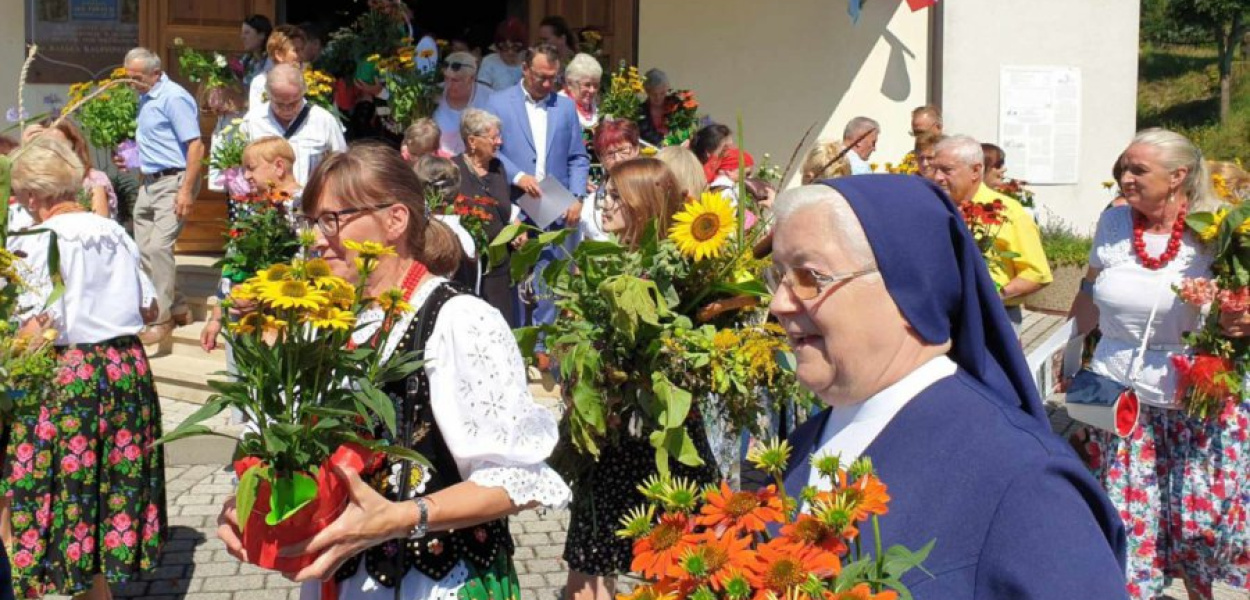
(262,541)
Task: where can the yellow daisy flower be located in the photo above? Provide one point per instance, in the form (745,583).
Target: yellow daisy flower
(342,296)
(294,294)
(274,274)
(702,229)
(331,318)
(244,292)
(393,300)
(369,249)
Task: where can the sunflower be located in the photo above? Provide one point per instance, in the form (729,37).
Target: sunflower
(329,317)
(701,230)
(294,294)
(782,567)
(741,511)
(659,554)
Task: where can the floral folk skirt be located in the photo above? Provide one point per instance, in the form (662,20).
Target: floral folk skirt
(87,490)
(1182,486)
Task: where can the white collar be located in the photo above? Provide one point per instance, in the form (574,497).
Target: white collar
(851,429)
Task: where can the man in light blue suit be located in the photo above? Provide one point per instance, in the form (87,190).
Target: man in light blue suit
(542,138)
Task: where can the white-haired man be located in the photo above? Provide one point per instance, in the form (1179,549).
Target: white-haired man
(167,135)
(861,136)
(958,167)
(313,132)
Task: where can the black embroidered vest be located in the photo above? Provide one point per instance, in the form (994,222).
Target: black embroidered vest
(436,554)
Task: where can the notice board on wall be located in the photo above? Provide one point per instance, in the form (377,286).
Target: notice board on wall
(80,40)
(1039,123)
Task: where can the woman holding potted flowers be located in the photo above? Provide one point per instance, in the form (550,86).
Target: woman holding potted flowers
(430,532)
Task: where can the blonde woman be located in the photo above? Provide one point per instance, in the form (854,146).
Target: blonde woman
(686,168)
(283,48)
(826,160)
(95,515)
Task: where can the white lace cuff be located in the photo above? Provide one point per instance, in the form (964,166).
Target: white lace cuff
(526,484)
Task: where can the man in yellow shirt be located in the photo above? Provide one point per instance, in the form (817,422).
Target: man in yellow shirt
(958,167)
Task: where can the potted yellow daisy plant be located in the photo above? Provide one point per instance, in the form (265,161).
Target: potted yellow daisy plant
(310,399)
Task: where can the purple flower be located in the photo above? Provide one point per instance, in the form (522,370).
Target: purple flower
(13,115)
(236,185)
(129,153)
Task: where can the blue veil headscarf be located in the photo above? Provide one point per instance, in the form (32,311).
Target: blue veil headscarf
(936,275)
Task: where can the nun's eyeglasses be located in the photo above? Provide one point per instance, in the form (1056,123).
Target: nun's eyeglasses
(804,283)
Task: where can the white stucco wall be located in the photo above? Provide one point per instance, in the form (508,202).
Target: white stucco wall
(1098,36)
(786,66)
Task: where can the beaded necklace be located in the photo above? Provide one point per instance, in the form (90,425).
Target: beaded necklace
(1174,242)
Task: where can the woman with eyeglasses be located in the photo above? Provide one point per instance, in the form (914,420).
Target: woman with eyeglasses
(443,534)
(460,91)
(638,192)
(502,69)
(482,176)
(616,141)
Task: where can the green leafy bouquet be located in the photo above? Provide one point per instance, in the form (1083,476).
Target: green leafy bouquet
(644,331)
(621,97)
(27,364)
(107,109)
(414,91)
(220,87)
(380,30)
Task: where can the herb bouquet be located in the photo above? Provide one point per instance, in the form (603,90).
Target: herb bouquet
(27,365)
(226,160)
(644,332)
(719,544)
(220,84)
(412,82)
(312,400)
(108,111)
(1213,378)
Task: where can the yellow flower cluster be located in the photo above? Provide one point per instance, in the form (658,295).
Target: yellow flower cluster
(627,80)
(1208,234)
(305,292)
(750,351)
(319,83)
(8,269)
(1222,189)
(907,167)
(404,60)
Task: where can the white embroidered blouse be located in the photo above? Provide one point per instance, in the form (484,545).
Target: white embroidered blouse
(105,288)
(480,397)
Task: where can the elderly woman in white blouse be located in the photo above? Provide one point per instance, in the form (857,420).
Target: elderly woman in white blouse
(582,79)
(443,534)
(95,515)
(460,91)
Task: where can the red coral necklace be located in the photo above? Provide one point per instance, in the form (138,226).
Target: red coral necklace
(411,279)
(1174,242)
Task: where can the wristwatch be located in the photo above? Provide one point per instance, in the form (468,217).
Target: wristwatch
(423,520)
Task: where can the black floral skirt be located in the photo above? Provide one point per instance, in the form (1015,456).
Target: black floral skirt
(87,488)
(592,546)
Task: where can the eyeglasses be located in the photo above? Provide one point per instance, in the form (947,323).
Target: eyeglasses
(455,66)
(607,201)
(330,222)
(804,283)
(621,153)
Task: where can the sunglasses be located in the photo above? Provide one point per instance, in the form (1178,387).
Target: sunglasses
(804,283)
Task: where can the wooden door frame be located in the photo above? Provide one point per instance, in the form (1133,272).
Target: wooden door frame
(536,10)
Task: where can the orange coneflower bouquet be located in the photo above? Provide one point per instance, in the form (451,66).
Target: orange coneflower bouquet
(260,234)
(724,544)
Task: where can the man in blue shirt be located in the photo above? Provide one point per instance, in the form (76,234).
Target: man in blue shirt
(170,157)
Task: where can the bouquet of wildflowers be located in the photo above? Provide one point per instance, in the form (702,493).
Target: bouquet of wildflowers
(27,365)
(320,90)
(413,85)
(226,157)
(984,221)
(680,117)
(622,95)
(647,330)
(259,236)
(721,544)
(907,166)
(313,399)
(1017,190)
(107,110)
(474,213)
(1212,380)
(220,84)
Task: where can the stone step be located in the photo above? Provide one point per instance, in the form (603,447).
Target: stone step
(185,377)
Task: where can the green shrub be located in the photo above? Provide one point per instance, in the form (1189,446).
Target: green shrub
(1063,246)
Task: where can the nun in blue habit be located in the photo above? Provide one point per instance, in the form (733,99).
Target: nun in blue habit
(897,327)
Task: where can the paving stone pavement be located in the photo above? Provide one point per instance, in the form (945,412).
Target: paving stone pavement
(195,565)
